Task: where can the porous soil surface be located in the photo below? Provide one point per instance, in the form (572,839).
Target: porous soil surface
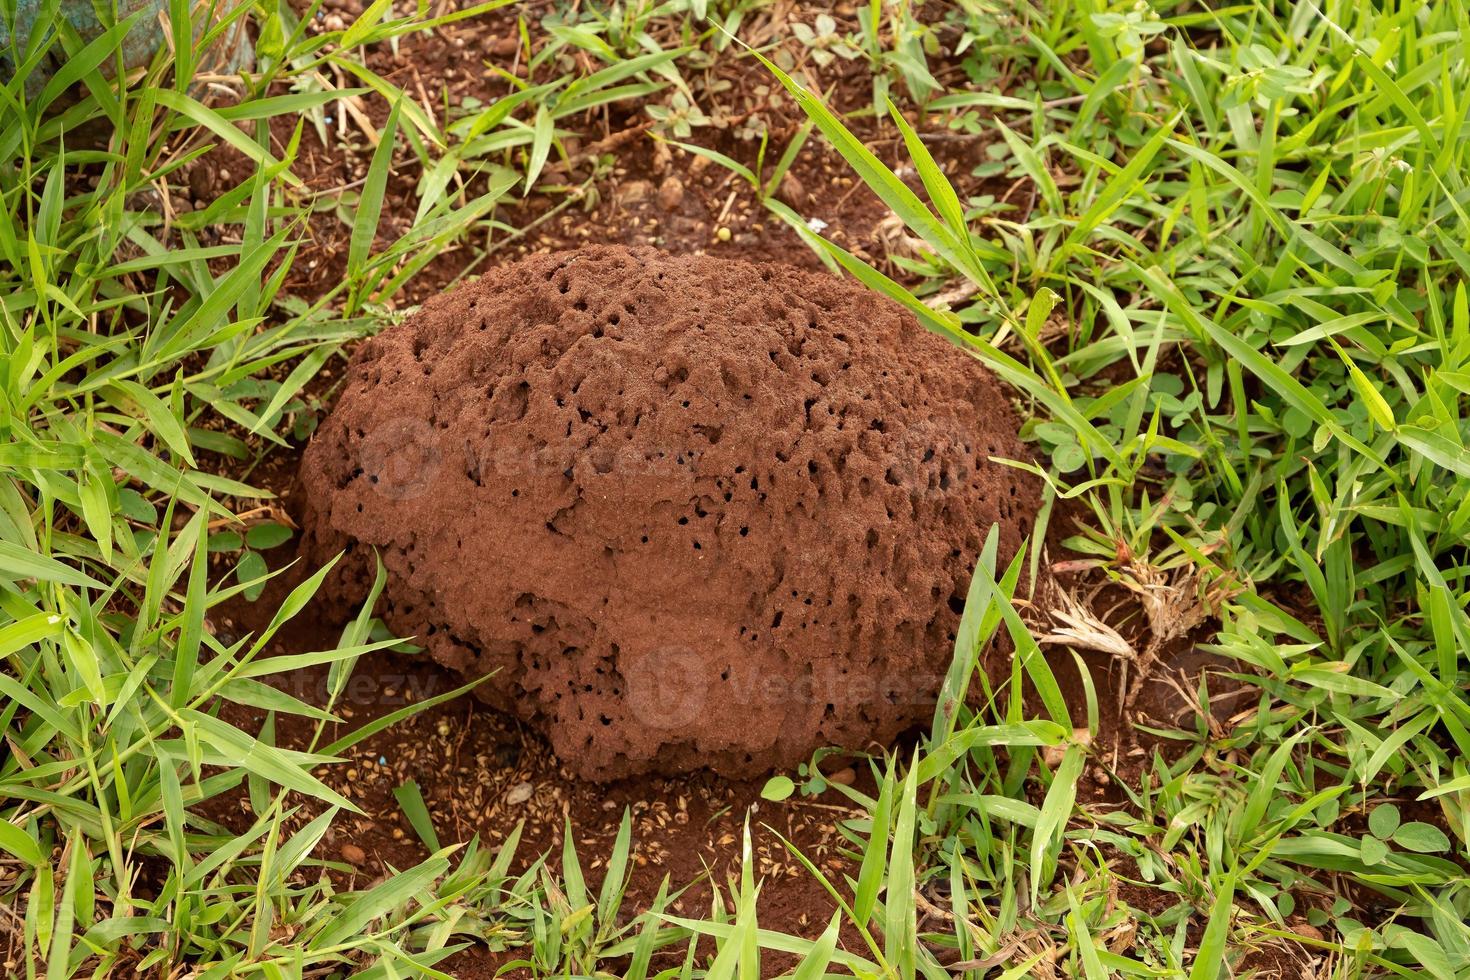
(685,512)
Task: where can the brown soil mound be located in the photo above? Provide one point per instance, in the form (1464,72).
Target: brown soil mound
(690,512)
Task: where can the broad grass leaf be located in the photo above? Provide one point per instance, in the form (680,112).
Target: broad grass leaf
(251,692)
(1056,810)
(1436,447)
(289,770)
(872,872)
(1210,956)
(543,130)
(29,631)
(900,920)
(396,892)
(201,115)
(815,961)
(411,802)
(610,895)
(370,201)
(19,843)
(18,564)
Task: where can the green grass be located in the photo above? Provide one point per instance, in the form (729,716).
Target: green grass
(1237,314)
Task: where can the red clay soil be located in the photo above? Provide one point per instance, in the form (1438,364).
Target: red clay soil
(688,513)
(483,774)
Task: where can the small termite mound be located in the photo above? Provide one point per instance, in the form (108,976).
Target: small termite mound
(687,512)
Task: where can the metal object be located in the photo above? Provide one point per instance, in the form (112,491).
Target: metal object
(230,52)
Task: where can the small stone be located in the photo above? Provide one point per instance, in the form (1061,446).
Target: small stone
(201,183)
(671,193)
(519,793)
(334,22)
(791,190)
(505,47)
(1307,931)
(353,854)
(634,191)
(843,777)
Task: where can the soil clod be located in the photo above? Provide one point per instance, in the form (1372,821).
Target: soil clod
(671,193)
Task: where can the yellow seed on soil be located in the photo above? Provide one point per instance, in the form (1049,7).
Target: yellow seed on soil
(723,234)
